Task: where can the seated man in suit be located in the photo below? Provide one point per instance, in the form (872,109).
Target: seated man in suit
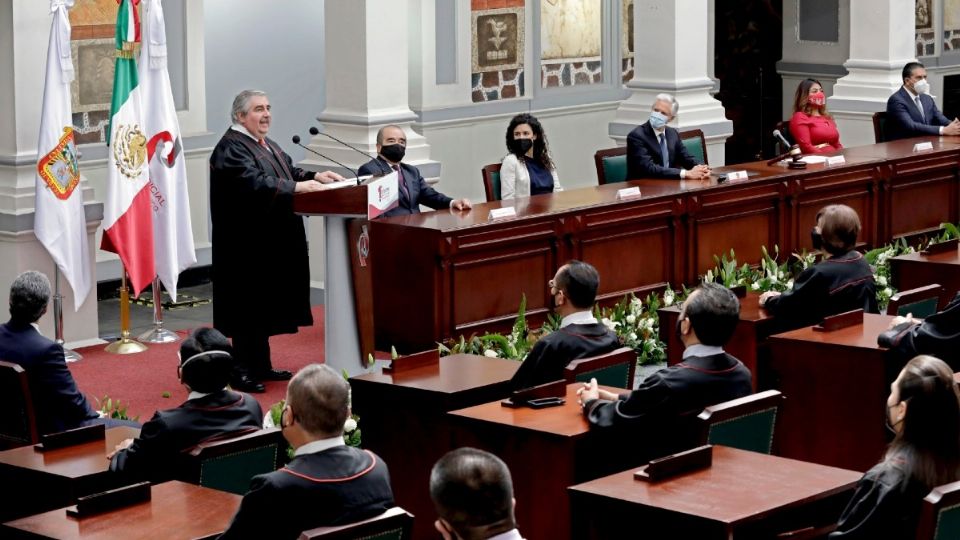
(473,494)
(327,483)
(58,404)
(706,376)
(911,112)
(414,190)
(574,290)
(654,150)
(211,411)
(937,335)
(842,282)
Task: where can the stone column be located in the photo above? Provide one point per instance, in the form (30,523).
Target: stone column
(881,42)
(674,54)
(25,31)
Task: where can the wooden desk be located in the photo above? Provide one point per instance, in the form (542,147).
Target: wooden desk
(547,450)
(915,270)
(742,495)
(176,510)
(462,273)
(752,331)
(53,479)
(403,419)
(836,386)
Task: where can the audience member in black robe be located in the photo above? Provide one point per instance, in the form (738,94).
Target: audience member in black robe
(924,411)
(937,335)
(261,274)
(57,402)
(842,282)
(473,494)
(327,483)
(574,290)
(210,412)
(671,397)
(414,190)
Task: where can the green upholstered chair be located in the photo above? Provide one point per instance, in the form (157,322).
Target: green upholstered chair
(611,165)
(879,126)
(18,423)
(491,181)
(394,524)
(940,514)
(746,423)
(921,302)
(695,143)
(229,464)
(614,369)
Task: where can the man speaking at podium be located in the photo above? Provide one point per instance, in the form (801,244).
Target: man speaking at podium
(261,275)
(414,190)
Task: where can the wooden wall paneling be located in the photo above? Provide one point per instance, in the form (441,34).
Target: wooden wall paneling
(923,192)
(855,187)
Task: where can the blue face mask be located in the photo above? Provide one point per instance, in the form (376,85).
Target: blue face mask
(657,120)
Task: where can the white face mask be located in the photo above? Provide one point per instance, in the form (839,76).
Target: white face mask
(921,86)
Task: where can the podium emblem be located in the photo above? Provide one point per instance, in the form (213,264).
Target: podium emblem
(363,246)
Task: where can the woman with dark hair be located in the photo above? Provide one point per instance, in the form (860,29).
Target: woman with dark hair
(841,282)
(924,411)
(527,170)
(812,126)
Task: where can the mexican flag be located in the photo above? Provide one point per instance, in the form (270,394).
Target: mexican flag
(59,221)
(172,231)
(127,212)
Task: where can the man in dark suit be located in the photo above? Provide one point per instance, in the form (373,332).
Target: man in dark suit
(937,335)
(58,404)
(211,411)
(414,190)
(654,150)
(671,397)
(473,494)
(574,290)
(327,483)
(911,112)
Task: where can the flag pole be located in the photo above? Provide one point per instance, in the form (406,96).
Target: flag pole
(158,334)
(125,345)
(68,354)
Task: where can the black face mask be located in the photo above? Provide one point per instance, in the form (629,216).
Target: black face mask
(393,152)
(521,146)
(816,238)
(678,331)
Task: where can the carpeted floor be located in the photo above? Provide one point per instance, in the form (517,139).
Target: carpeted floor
(139,381)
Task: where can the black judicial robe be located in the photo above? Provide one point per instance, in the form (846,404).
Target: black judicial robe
(261,274)
(171,431)
(663,408)
(337,486)
(835,285)
(553,352)
(938,335)
(886,504)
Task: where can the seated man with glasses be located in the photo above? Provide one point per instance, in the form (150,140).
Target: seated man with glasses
(574,290)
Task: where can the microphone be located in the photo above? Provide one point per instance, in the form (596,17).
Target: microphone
(781,138)
(793,152)
(315,131)
(296,141)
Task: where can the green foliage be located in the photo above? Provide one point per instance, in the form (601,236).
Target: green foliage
(112,408)
(879,259)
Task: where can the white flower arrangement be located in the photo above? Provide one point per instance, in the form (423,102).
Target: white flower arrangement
(490,353)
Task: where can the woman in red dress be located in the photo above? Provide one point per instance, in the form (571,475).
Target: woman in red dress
(811,126)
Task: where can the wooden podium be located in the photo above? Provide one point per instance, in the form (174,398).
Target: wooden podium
(348,298)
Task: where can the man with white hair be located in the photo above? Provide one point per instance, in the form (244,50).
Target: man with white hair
(261,274)
(655,150)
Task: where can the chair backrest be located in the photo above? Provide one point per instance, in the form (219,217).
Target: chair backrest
(747,423)
(880,126)
(611,165)
(696,144)
(615,368)
(922,302)
(491,181)
(784,128)
(940,514)
(18,423)
(394,524)
(228,464)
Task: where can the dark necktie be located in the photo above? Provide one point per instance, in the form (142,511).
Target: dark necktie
(663,149)
(402,182)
